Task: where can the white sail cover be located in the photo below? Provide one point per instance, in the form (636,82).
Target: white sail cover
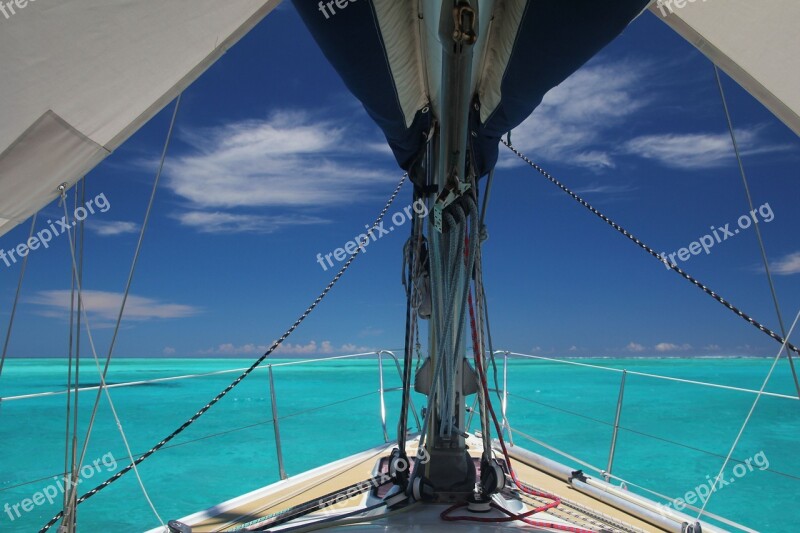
(78,77)
(754,42)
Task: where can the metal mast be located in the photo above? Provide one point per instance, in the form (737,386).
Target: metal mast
(446,377)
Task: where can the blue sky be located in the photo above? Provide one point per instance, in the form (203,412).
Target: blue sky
(274,162)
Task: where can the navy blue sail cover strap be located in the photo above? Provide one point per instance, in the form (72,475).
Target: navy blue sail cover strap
(351,40)
(554,39)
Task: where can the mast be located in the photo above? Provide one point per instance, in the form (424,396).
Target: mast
(447,378)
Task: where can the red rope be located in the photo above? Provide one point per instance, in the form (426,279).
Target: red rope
(445,515)
(476,350)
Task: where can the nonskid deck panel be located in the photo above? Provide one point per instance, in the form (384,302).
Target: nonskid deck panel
(577,509)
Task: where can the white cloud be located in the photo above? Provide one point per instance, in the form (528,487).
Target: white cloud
(287,348)
(290,162)
(287,160)
(573,125)
(634,347)
(169,350)
(103,305)
(697,150)
(712,347)
(106,229)
(788,265)
(570,123)
(350,348)
(220,222)
(670,347)
(573,348)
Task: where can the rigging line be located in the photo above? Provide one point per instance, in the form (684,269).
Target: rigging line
(69,458)
(653,376)
(748,417)
(757,225)
(706,452)
(69,504)
(645,247)
(486,193)
(648,435)
(561,409)
(247,372)
(82,310)
(438,272)
(169,379)
(131,273)
(16,298)
(414,249)
(176,445)
(625,481)
(205,437)
(79,277)
(409,254)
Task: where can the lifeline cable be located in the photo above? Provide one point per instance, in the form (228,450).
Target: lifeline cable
(652,252)
(246,373)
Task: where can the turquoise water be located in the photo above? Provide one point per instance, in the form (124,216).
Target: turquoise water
(668,430)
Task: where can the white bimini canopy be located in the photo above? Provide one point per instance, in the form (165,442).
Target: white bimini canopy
(755,42)
(78,77)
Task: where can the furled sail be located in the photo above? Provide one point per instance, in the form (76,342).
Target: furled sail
(78,77)
(756,43)
(389,55)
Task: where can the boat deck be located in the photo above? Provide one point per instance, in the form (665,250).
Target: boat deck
(577,509)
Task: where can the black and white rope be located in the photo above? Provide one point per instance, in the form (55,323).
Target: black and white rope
(244,374)
(652,252)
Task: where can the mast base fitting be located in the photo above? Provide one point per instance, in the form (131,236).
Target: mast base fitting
(422,490)
(475,505)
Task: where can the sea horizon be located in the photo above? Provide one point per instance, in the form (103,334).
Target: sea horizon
(323,357)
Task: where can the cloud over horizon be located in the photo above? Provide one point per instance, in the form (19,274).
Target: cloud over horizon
(104,306)
(289,162)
